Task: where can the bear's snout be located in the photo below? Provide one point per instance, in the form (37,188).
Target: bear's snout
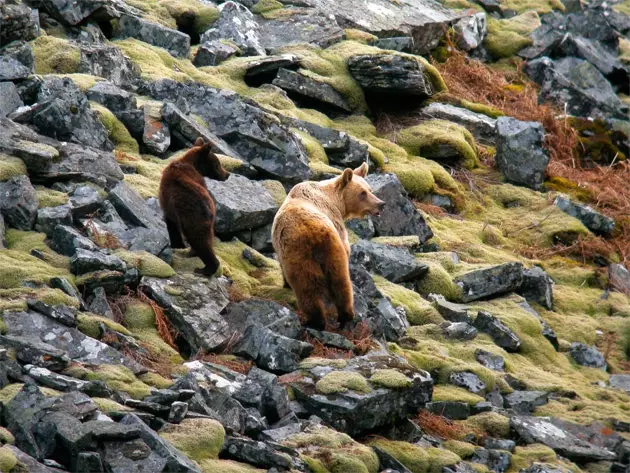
(380,205)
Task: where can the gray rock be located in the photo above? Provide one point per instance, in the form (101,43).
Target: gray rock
(399,216)
(17,23)
(263,313)
(346,411)
(260,454)
(502,335)
(471,31)
(36,327)
(214,52)
(542,430)
(132,208)
(134,455)
(66,240)
(109,62)
(236,23)
(71,13)
(175,42)
(9,99)
(84,200)
(260,71)
(537,287)
(490,282)
(298,26)
(450,310)
(394,264)
(543,468)
(460,467)
(30,463)
(454,410)
(489,360)
(89,461)
(156,135)
(59,382)
(499,444)
(241,204)
(496,460)
(619,278)
(362,227)
(331,339)
(424,20)
(18,203)
(587,356)
(593,220)
(193,305)
(524,402)
(3,229)
(85,261)
(98,304)
(111,96)
(468,381)
(16,60)
(48,218)
(459,331)
(389,463)
(252,132)
(31,351)
(307,90)
(390,74)
(547,331)
(520,156)
(61,313)
(482,127)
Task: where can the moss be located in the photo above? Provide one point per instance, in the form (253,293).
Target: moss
(314,149)
(117,378)
(146,263)
(227,466)
(156,380)
(430,137)
(10,391)
(490,423)
(8,460)
(437,281)
(623,7)
(139,316)
(461,449)
(567,186)
(276,190)
(347,464)
(83,81)
(199,439)
(538,6)
(353,34)
(90,325)
(6,437)
(453,393)
(523,457)
(17,268)
(417,459)
(390,378)
(26,242)
(508,36)
(624,49)
(11,166)
(55,55)
(418,310)
(108,406)
(407,241)
(312,362)
(118,133)
(195,15)
(49,197)
(264,6)
(322,171)
(341,381)
(16,299)
(445,97)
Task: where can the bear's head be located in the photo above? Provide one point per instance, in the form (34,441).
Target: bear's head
(357,195)
(206,162)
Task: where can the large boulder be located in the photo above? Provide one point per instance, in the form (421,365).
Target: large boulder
(16,61)
(500,333)
(236,23)
(482,127)
(310,91)
(394,264)
(520,155)
(109,62)
(175,42)
(596,222)
(489,282)
(18,23)
(72,13)
(18,203)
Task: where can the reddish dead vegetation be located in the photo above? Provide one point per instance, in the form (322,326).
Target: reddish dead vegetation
(442,427)
(322,351)
(361,337)
(164,327)
(102,239)
(290,378)
(240,366)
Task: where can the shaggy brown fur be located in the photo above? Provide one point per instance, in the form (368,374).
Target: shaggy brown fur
(188,207)
(312,246)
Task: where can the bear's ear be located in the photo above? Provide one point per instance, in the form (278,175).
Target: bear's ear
(362,170)
(345,178)
(199,142)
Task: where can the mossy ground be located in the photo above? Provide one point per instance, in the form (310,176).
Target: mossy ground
(227,466)
(50,197)
(416,459)
(508,36)
(119,135)
(196,15)
(199,439)
(146,263)
(11,166)
(55,55)
(116,377)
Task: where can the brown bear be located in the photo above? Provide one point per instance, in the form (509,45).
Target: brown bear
(311,243)
(187,204)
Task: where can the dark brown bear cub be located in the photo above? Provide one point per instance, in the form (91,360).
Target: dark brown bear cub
(188,207)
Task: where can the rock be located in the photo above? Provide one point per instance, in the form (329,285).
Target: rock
(59,382)
(502,335)
(111,96)
(542,430)
(454,410)
(390,74)
(468,381)
(17,23)
(331,339)
(547,331)
(214,52)
(260,454)
(397,43)
(496,460)
(85,261)
(520,155)
(300,25)
(537,287)
(593,220)
(16,61)
(489,360)
(132,208)
(471,31)
(389,462)
(156,135)
(345,411)
(499,444)
(72,13)
(264,70)
(482,127)
(587,356)
(61,313)
(525,402)
(449,310)
(423,20)
(371,307)
(193,305)
(175,42)
(399,216)
(98,303)
(619,278)
(459,331)
(394,264)
(9,99)
(84,200)
(109,62)
(309,91)
(66,240)
(18,203)
(490,282)
(89,461)
(28,462)
(241,204)
(3,229)
(254,134)
(134,455)
(31,351)
(236,23)
(542,468)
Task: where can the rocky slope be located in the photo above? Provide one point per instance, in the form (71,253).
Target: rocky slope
(492,300)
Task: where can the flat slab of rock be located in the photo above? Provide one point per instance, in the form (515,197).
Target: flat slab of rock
(311,91)
(482,127)
(490,282)
(500,333)
(72,13)
(524,402)
(450,310)
(175,42)
(542,430)
(593,220)
(346,411)
(394,264)
(242,204)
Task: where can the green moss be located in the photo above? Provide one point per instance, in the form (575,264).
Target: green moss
(341,381)
(227,466)
(8,460)
(49,197)
(199,439)
(118,133)
(508,36)
(321,170)
(567,186)
(157,380)
(523,457)
(486,109)
(146,263)
(312,362)
(11,166)
(17,267)
(407,241)
(347,464)
(83,81)
(117,378)
(490,423)
(623,7)
(6,437)
(276,190)
(430,137)
(108,406)
(193,14)
(624,49)
(417,459)
(139,316)
(461,449)
(446,392)
(10,391)
(55,55)
(353,34)
(390,378)
(418,310)
(264,6)
(540,7)
(437,281)
(90,325)
(16,299)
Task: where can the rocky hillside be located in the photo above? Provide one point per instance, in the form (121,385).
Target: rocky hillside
(492,295)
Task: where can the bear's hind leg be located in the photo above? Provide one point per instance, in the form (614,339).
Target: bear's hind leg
(340,285)
(308,282)
(200,237)
(174,234)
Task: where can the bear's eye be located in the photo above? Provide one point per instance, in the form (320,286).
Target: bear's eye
(364,195)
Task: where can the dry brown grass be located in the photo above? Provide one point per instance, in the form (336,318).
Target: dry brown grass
(322,351)
(240,366)
(164,326)
(442,427)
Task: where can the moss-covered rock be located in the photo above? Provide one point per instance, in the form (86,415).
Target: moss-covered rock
(227,466)
(118,133)
(8,460)
(341,382)
(508,36)
(90,324)
(11,166)
(199,439)
(390,378)
(6,437)
(263,6)
(419,311)
(55,55)
(417,459)
(117,378)
(146,263)
(50,197)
